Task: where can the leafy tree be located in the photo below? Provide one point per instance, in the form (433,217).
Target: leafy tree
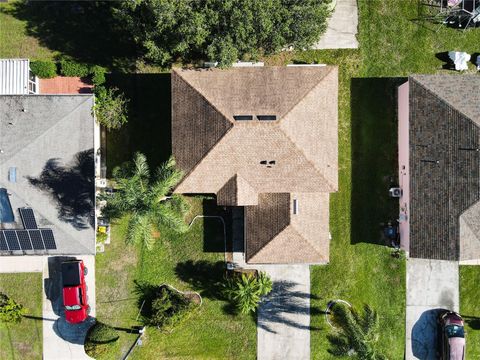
(98,75)
(222,30)
(44,69)
(169,308)
(246,291)
(10,310)
(145,199)
(357,333)
(110,107)
(100,339)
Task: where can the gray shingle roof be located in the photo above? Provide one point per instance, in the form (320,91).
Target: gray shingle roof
(49,140)
(444,165)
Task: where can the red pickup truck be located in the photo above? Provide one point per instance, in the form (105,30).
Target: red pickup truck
(75,298)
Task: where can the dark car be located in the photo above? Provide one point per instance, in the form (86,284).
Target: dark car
(75,298)
(451,336)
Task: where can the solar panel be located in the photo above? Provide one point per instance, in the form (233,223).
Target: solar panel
(48,239)
(267,117)
(3,242)
(28,218)
(36,238)
(24,240)
(12,241)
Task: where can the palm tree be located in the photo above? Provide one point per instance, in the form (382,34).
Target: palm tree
(145,199)
(357,333)
(246,291)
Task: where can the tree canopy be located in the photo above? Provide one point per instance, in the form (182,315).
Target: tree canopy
(221,30)
(144,198)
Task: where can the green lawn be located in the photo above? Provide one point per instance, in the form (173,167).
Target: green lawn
(193,261)
(470,308)
(23,340)
(14,39)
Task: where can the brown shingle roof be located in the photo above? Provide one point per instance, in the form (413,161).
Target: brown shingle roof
(273,234)
(302,142)
(444,167)
(256,163)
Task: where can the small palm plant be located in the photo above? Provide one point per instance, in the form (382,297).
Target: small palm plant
(246,291)
(357,333)
(145,199)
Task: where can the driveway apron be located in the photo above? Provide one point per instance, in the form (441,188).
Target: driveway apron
(283,325)
(431,285)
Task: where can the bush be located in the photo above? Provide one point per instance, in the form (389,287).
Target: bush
(73,68)
(98,75)
(168,309)
(110,107)
(10,310)
(44,69)
(101,338)
(246,291)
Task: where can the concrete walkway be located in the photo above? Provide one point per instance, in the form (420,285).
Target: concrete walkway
(62,340)
(283,324)
(342,27)
(431,285)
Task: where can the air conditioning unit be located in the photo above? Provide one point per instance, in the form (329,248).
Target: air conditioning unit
(395,192)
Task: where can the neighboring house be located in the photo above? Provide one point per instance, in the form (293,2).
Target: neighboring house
(16,78)
(265,139)
(47,164)
(439,167)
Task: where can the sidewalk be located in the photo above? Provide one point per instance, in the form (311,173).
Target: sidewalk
(342,27)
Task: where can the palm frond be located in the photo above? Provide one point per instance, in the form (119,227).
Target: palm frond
(140,231)
(141,166)
(339,345)
(166,216)
(168,176)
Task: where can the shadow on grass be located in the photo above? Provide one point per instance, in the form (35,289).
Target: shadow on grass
(374,156)
(216,234)
(206,277)
(149,124)
(84,30)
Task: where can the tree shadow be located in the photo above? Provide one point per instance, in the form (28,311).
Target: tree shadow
(374,157)
(278,306)
(206,277)
(84,30)
(149,120)
(71,187)
(472,321)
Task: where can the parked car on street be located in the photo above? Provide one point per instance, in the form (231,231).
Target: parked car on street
(451,336)
(75,298)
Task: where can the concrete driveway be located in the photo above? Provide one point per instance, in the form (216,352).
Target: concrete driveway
(431,285)
(62,340)
(342,27)
(283,324)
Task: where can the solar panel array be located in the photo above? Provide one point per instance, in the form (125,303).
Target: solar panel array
(32,239)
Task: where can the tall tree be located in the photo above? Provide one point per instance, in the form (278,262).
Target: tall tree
(222,30)
(357,333)
(145,199)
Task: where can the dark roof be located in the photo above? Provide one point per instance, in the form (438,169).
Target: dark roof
(444,162)
(71,273)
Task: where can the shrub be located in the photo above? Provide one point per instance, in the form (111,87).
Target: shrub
(44,69)
(101,338)
(246,291)
(98,75)
(169,308)
(10,310)
(73,68)
(110,107)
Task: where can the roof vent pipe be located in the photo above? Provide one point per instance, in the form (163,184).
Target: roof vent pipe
(295,206)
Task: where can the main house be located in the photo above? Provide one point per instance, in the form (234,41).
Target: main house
(265,139)
(48,163)
(439,167)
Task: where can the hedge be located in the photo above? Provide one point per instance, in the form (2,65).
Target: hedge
(44,69)
(73,68)
(101,338)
